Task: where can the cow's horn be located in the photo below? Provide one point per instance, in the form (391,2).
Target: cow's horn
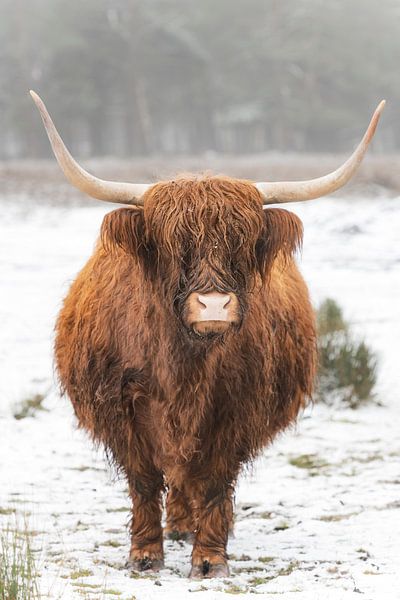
(109,191)
(296,191)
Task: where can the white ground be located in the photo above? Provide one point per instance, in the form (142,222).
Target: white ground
(328,531)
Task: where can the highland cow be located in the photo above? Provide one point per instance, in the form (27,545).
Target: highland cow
(187,342)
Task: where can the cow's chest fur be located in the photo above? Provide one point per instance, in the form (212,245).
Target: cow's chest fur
(205,414)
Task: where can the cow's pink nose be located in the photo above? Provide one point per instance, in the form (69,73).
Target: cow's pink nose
(211,312)
(213,306)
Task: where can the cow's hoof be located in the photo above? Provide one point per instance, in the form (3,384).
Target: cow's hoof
(209,571)
(220,570)
(196,572)
(175,535)
(145,564)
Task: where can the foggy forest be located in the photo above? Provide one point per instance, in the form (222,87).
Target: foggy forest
(158,77)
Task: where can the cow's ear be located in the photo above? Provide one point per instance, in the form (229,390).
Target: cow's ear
(124,228)
(282,234)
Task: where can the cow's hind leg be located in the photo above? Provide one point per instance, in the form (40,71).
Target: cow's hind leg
(180,525)
(146,531)
(213,510)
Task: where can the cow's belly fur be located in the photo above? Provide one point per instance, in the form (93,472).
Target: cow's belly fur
(171,414)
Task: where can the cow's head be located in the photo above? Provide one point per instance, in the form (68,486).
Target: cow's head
(205,243)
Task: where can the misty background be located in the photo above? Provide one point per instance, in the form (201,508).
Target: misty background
(126,78)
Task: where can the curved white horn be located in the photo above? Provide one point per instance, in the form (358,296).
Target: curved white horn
(109,191)
(295,191)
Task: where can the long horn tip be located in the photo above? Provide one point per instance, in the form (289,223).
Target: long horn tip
(34,95)
(40,105)
(374,122)
(380,108)
(37,100)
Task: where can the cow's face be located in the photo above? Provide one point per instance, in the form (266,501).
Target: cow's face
(207,245)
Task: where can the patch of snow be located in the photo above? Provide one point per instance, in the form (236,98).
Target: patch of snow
(324,527)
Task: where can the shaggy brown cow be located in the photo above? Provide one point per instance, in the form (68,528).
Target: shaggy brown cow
(187,342)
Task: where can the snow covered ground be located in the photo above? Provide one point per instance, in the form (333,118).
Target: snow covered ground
(319,514)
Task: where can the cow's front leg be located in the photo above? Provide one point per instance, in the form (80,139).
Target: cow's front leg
(213,518)
(180,525)
(146,531)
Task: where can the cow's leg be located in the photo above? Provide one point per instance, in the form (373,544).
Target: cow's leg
(180,524)
(146,531)
(133,449)
(213,520)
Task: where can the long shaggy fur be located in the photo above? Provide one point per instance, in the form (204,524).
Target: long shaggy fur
(172,408)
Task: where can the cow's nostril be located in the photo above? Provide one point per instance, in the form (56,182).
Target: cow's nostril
(201,301)
(227,302)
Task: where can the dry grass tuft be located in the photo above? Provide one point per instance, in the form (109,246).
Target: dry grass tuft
(18,566)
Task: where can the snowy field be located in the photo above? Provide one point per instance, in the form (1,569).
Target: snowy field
(318,517)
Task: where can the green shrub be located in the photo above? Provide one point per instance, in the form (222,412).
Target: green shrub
(347,367)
